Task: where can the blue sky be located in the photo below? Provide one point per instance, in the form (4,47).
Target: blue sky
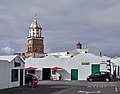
(95,23)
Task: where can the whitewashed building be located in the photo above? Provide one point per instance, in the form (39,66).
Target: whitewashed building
(72,65)
(77,67)
(11,71)
(116,66)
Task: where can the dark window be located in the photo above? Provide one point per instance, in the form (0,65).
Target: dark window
(33,33)
(17,64)
(53,72)
(14,75)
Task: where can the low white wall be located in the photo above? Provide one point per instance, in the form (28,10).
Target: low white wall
(4,74)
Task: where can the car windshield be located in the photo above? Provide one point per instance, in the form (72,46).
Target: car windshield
(97,73)
(102,73)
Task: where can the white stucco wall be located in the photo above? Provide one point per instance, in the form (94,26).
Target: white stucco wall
(103,67)
(67,64)
(4,74)
(117,62)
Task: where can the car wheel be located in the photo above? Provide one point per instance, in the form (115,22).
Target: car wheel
(107,80)
(90,80)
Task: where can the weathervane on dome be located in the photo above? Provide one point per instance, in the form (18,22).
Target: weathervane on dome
(35,18)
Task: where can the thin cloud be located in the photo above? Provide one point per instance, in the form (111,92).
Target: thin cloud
(7,50)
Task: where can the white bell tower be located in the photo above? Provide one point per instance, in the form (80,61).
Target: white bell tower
(35,39)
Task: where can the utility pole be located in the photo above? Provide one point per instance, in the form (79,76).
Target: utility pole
(109,64)
(11,47)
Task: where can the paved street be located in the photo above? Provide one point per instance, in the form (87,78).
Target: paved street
(88,90)
(67,87)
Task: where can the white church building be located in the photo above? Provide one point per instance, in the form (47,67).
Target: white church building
(77,67)
(71,65)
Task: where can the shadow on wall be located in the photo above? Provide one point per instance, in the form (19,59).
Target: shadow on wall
(65,74)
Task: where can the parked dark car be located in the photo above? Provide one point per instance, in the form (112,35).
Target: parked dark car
(29,78)
(100,76)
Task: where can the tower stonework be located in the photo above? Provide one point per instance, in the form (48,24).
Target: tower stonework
(35,40)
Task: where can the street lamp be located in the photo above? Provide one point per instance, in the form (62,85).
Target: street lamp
(109,64)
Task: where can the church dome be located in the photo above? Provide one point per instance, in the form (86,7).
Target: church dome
(35,24)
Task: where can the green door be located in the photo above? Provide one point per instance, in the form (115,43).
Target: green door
(74,74)
(95,68)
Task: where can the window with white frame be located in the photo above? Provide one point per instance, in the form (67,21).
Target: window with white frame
(14,75)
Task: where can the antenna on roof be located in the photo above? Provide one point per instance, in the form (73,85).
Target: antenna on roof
(35,18)
(11,47)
